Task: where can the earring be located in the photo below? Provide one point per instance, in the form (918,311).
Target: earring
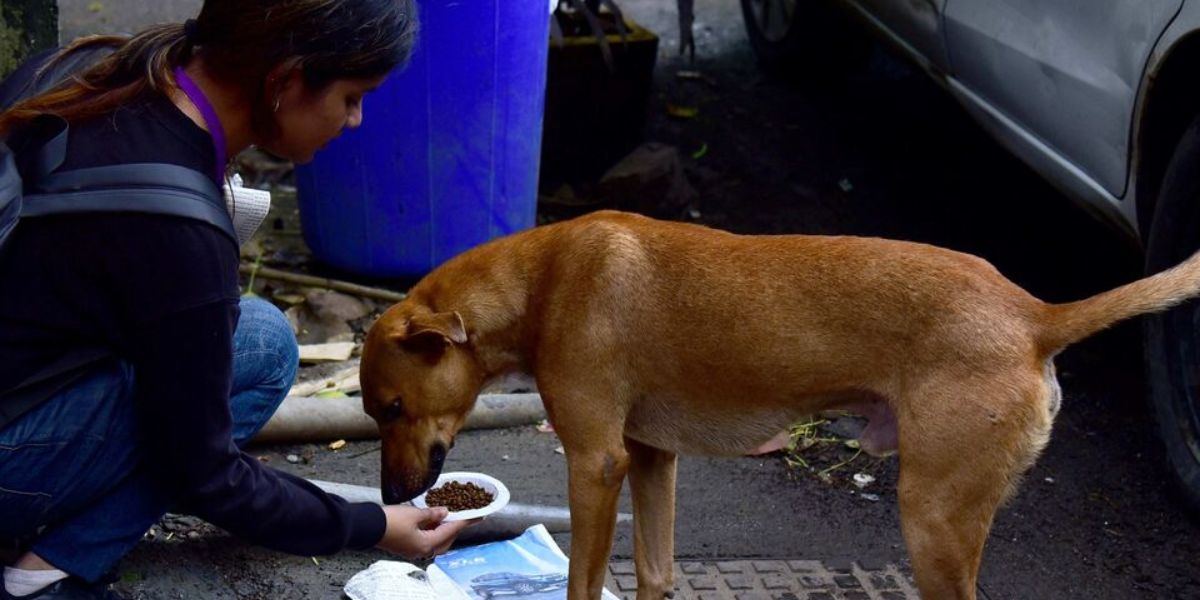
(277,100)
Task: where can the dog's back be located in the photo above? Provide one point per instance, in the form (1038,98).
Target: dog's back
(820,304)
(850,287)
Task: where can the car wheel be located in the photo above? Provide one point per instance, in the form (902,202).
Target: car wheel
(524,588)
(1172,339)
(803,36)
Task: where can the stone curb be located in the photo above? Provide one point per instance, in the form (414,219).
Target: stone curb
(775,580)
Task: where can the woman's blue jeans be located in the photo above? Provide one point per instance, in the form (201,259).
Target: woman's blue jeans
(71,473)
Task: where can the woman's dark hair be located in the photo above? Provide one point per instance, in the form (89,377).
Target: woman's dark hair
(241,41)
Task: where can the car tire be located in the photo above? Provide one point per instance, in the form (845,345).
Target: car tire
(524,588)
(814,39)
(1172,338)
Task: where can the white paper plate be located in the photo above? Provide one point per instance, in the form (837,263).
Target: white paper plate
(487,482)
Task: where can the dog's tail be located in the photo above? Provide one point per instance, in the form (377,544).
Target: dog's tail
(1065,324)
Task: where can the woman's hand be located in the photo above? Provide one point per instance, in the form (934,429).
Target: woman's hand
(419,533)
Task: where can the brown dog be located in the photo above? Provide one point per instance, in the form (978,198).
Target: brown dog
(649,338)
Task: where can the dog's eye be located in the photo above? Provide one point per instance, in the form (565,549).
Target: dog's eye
(394,411)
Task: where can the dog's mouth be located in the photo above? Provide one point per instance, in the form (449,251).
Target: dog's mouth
(405,487)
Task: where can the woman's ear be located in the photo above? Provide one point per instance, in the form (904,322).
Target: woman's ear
(281,80)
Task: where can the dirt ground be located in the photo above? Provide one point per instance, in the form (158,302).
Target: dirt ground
(880,151)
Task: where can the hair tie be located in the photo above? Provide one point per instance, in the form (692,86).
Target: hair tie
(191,30)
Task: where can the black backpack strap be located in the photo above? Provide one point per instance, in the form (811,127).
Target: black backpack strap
(157,175)
(152,188)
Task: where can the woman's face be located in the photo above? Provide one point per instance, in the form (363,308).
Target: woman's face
(307,120)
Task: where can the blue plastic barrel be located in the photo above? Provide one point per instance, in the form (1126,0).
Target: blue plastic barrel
(447,156)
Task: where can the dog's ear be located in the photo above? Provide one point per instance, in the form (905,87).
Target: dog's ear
(446,325)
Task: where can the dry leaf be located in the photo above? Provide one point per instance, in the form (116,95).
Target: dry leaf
(682,112)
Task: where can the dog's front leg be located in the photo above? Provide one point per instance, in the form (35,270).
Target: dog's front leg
(652,484)
(594,473)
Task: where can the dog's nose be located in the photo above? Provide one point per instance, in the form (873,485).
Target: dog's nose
(437,456)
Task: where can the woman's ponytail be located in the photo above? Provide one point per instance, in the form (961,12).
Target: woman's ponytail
(136,65)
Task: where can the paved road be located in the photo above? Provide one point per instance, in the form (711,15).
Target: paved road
(87,17)
(880,152)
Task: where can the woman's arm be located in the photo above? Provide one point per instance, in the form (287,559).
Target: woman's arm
(182,298)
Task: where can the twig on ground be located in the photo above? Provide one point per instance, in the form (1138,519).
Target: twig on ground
(366,452)
(312,281)
(840,465)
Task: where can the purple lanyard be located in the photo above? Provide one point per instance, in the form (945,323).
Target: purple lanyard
(197,97)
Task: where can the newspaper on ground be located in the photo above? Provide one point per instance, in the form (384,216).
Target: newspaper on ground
(395,580)
(528,566)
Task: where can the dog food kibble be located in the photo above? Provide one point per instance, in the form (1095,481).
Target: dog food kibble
(459,496)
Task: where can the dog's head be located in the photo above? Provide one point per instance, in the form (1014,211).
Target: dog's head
(419,380)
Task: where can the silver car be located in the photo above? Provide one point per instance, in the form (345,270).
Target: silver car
(1101,97)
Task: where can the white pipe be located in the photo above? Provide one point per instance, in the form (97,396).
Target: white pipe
(305,419)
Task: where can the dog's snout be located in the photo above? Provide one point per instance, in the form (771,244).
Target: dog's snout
(403,490)
(399,484)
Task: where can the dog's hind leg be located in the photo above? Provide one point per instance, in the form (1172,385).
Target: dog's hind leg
(963,446)
(652,485)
